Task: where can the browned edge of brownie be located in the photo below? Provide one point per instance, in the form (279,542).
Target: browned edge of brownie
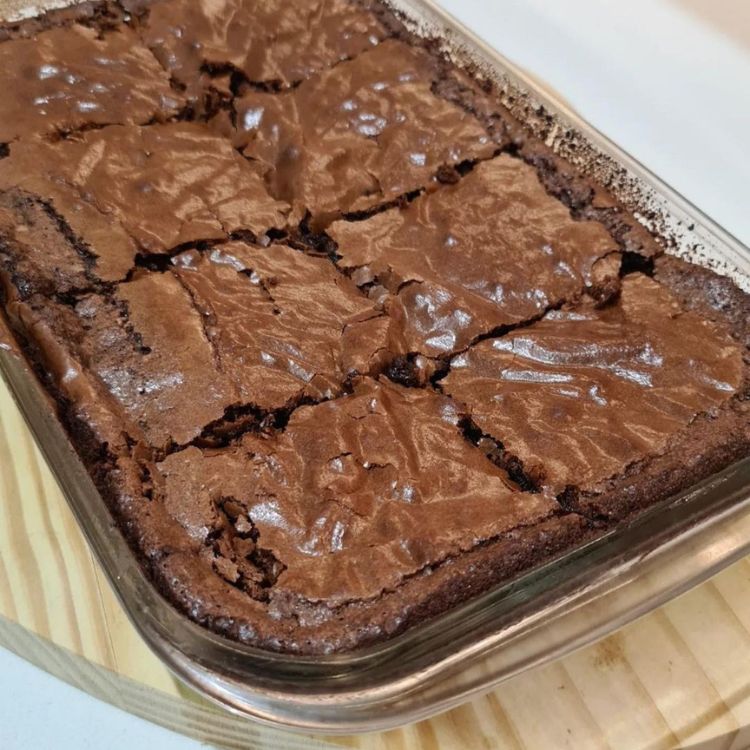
(714,439)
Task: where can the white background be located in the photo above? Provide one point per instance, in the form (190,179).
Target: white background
(669,80)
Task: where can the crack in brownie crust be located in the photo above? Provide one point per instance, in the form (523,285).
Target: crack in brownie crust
(340,344)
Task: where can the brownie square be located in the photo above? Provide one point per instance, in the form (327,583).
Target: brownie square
(285,324)
(584,394)
(359,135)
(276,43)
(254,328)
(356,494)
(125,190)
(68,79)
(491,251)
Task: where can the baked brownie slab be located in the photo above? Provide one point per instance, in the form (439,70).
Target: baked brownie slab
(125,190)
(276,42)
(362,134)
(492,250)
(228,392)
(67,79)
(585,393)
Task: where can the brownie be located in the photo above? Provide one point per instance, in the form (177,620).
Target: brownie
(347,484)
(360,135)
(125,190)
(340,342)
(67,79)
(585,393)
(276,43)
(327,521)
(490,251)
(261,328)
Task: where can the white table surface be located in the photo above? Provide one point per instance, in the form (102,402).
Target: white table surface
(669,80)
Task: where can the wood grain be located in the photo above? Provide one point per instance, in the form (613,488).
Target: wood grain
(679,677)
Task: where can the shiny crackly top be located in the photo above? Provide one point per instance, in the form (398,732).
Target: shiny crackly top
(363,133)
(585,392)
(275,41)
(126,188)
(492,250)
(68,78)
(354,495)
(240,326)
(232,388)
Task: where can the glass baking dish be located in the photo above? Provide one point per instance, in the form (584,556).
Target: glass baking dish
(541,615)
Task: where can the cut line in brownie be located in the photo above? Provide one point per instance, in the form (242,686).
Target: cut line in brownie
(125,190)
(491,251)
(361,135)
(238,332)
(69,79)
(276,43)
(584,394)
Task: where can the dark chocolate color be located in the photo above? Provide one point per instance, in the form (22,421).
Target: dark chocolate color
(272,42)
(226,369)
(492,250)
(362,134)
(128,189)
(241,326)
(65,79)
(584,393)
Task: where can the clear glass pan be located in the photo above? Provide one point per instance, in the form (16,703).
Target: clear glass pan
(542,615)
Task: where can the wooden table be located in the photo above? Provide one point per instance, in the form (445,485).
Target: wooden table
(679,677)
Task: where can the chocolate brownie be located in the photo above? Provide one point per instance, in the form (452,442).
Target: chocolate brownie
(275,43)
(346,484)
(260,328)
(491,251)
(125,190)
(341,344)
(66,79)
(359,135)
(585,393)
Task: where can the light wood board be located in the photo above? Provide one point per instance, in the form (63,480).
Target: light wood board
(679,677)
